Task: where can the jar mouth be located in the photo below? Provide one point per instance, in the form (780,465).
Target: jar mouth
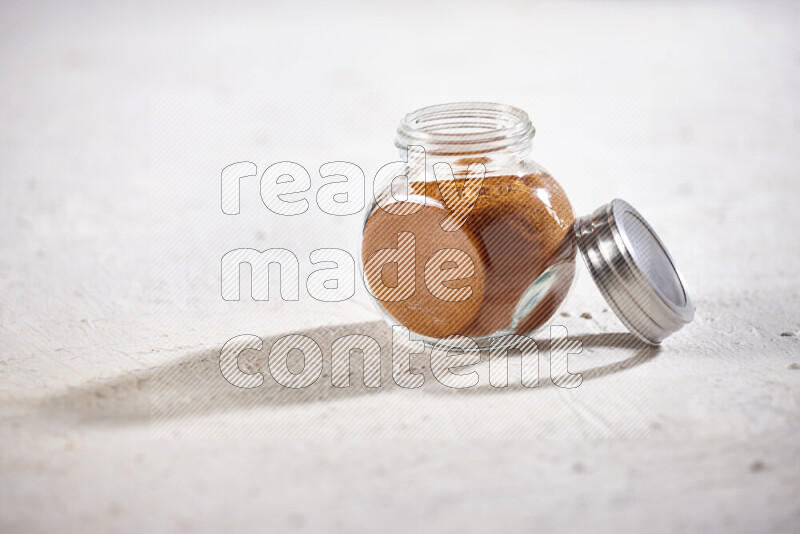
(466,127)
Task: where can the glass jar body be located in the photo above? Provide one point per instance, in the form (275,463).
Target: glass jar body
(476,242)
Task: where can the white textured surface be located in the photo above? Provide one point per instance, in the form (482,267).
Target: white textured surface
(116,123)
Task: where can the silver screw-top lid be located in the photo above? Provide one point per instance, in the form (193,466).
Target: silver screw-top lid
(634,271)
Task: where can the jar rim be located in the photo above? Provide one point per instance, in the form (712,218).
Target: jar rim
(464,127)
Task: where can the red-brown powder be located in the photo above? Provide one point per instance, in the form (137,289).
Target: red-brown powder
(519,227)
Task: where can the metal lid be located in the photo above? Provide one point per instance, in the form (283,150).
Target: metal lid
(634,271)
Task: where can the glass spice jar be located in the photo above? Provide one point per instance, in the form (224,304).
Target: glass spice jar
(476,239)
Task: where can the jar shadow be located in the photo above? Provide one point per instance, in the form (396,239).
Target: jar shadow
(624,349)
(192,385)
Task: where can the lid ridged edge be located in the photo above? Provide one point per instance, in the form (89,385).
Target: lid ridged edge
(624,284)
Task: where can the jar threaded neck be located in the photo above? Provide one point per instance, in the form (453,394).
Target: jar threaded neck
(466,128)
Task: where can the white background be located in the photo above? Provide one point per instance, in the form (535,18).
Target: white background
(116,123)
